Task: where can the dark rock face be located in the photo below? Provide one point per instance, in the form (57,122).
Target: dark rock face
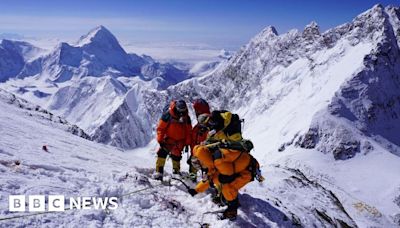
(346,150)
(340,146)
(309,140)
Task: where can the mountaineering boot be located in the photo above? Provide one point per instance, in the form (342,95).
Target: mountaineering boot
(231,212)
(158,175)
(217,197)
(176,174)
(217,200)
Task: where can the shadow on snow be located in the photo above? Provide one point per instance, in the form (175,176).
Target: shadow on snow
(260,213)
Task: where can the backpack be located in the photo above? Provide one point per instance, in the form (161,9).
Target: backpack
(235,126)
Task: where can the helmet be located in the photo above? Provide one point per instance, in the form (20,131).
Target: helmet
(181,107)
(202,121)
(201,106)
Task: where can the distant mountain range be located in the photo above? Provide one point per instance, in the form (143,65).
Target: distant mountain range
(87,81)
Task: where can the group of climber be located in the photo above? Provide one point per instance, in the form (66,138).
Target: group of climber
(217,150)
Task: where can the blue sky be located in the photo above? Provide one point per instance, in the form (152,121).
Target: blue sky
(220,23)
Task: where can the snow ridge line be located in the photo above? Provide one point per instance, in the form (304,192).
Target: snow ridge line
(69,209)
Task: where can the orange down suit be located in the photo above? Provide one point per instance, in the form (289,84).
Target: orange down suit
(227,168)
(174,132)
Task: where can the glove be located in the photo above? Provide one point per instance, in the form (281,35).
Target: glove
(224,144)
(186,149)
(192,192)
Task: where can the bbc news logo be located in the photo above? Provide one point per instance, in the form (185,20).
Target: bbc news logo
(36,203)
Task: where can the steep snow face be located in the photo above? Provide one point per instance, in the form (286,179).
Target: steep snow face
(129,126)
(204,68)
(163,74)
(369,100)
(88,102)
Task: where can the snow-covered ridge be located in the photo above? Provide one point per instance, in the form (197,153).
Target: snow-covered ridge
(38,113)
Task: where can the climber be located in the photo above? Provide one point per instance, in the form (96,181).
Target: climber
(173,134)
(226,160)
(199,132)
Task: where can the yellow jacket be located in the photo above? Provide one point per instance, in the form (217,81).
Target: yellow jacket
(221,135)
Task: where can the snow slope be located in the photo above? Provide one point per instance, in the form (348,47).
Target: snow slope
(41,114)
(75,167)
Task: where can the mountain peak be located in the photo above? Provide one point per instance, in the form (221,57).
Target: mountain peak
(376,11)
(311,30)
(270,30)
(266,34)
(99,34)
